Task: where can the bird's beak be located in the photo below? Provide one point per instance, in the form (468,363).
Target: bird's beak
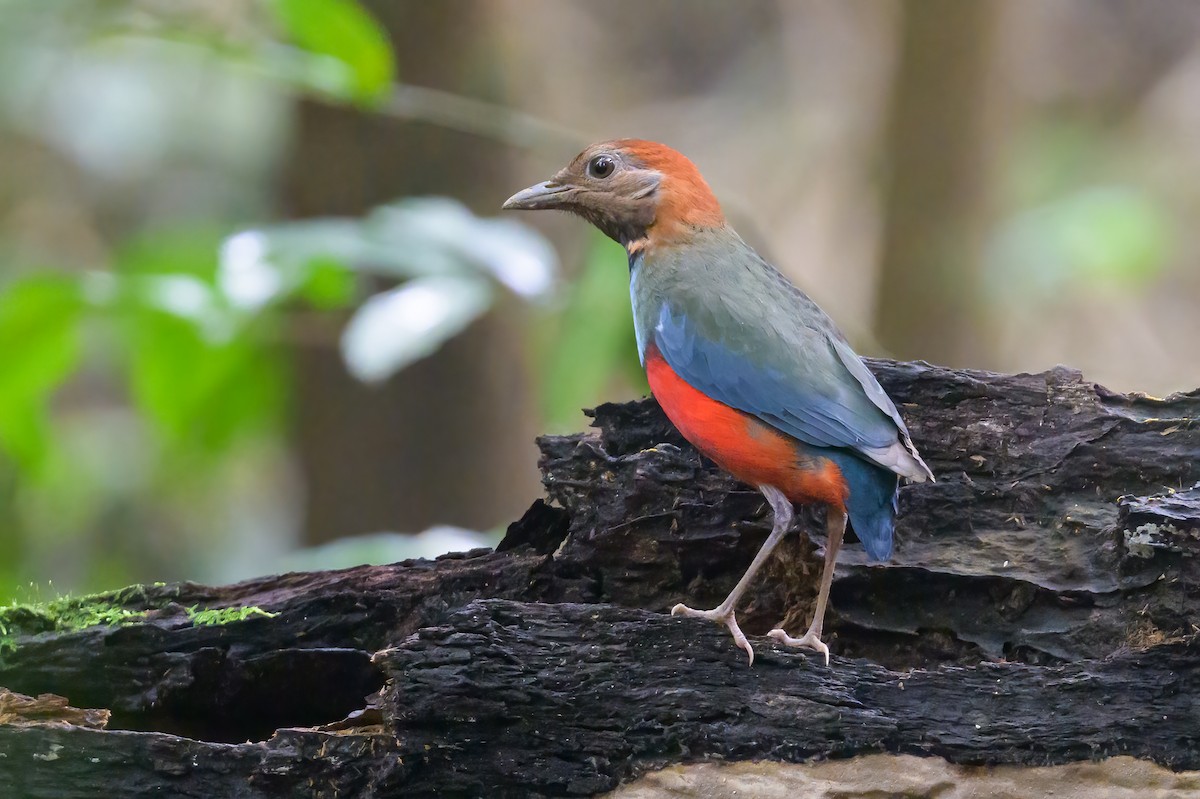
(544,195)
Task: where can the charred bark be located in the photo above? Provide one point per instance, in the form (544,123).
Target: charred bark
(1041,608)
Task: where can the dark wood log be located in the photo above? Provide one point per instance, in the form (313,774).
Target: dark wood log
(1041,608)
(310,664)
(1018,551)
(570,699)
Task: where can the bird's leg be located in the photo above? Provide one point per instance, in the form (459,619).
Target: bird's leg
(835,528)
(723,613)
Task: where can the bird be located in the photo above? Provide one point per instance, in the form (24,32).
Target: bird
(745,365)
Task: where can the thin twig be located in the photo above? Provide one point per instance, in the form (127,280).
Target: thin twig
(477,116)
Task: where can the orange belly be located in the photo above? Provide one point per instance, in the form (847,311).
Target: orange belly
(743,445)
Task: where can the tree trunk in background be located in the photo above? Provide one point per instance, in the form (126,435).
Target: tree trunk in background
(448,440)
(940,150)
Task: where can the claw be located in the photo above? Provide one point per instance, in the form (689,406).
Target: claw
(725,617)
(810,640)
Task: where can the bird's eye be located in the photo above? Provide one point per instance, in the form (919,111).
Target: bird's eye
(601,166)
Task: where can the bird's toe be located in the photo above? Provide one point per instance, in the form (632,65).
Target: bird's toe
(810,640)
(719,616)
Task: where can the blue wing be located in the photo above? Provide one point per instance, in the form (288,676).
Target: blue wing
(831,411)
(827,407)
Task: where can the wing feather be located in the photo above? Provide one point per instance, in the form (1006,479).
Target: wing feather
(840,405)
(735,328)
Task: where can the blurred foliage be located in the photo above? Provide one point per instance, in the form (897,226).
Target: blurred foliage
(1109,237)
(1070,233)
(182,329)
(40,340)
(447,258)
(361,65)
(592,340)
(197,335)
(148,317)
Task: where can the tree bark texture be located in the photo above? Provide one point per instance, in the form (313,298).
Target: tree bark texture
(1041,609)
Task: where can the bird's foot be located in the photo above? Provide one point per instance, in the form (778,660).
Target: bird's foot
(719,615)
(810,640)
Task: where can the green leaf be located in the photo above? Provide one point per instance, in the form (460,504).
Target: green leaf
(38,325)
(173,270)
(329,285)
(39,349)
(25,434)
(343,31)
(416,237)
(395,328)
(201,393)
(183,250)
(309,259)
(438,235)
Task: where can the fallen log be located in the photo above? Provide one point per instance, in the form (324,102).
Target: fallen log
(1040,609)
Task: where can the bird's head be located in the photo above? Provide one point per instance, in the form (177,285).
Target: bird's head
(637,192)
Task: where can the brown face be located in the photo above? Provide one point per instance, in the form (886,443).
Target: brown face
(607,186)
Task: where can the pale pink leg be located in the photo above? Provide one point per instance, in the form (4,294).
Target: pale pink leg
(723,613)
(835,527)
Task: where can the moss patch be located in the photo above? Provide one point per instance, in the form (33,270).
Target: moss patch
(214,616)
(69,613)
(129,605)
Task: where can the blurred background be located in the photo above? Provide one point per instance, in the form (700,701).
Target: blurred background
(259,310)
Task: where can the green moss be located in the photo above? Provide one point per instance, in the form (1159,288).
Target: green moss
(214,616)
(110,609)
(7,642)
(68,613)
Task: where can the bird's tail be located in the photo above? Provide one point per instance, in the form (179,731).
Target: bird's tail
(872,503)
